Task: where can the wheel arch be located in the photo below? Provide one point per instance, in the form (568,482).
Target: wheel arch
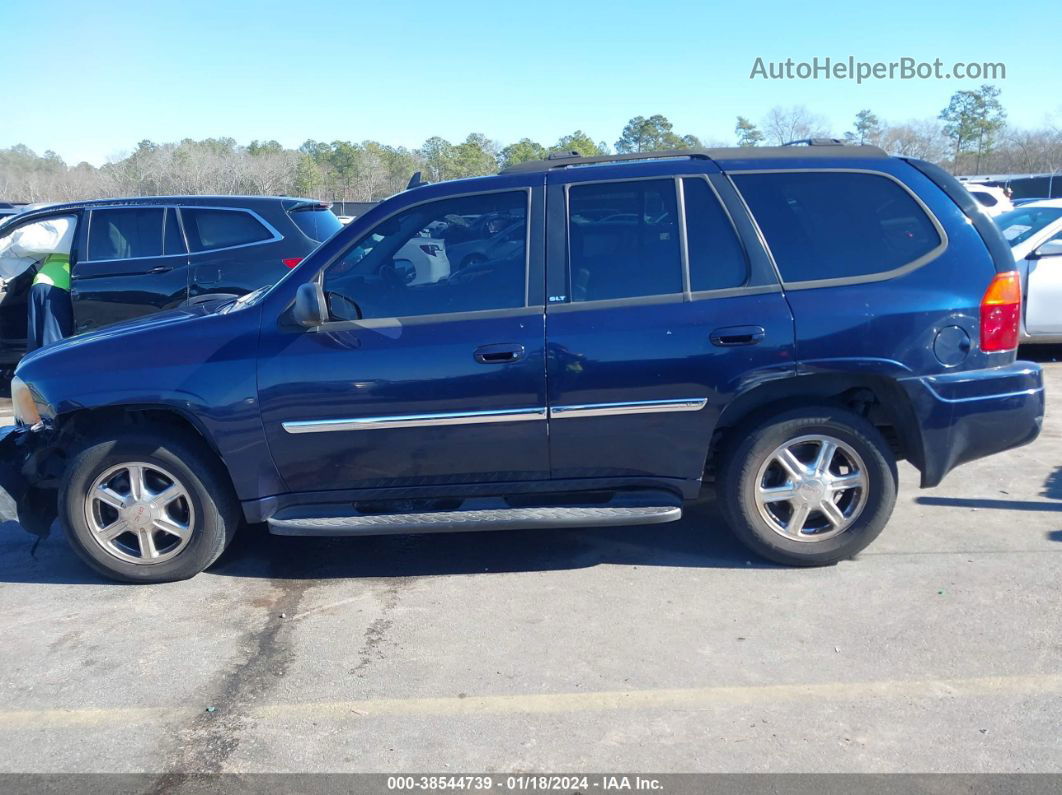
(879,399)
(75,426)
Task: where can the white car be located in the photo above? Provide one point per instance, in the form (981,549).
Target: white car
(505,243)
(993,200)
(1034,231)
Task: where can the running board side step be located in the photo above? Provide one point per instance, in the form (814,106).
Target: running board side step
(494,518)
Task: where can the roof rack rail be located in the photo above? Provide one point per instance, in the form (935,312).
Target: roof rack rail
(815,142)
(565,159)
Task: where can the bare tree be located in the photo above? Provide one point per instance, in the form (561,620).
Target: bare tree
(920,138)
(782,125)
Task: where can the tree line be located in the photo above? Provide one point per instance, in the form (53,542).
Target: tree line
(970,135)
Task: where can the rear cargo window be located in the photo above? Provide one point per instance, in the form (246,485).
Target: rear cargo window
(210,229)
(837,225)
(318,225)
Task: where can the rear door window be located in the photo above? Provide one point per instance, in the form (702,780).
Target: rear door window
(209,228)
(173,242)
(837,225)
(623,240)
(717,259)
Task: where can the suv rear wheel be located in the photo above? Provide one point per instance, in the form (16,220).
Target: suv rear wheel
(809,487)
(147,508)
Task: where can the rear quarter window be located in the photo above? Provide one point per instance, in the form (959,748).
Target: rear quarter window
(208,229)
(838,225)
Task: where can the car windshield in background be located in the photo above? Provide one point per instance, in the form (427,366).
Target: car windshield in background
(317,225)
(1022,223)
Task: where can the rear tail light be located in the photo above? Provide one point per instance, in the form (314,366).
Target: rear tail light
(291,262)
(1001,313)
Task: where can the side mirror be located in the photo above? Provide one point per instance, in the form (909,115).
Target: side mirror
(1052,248)
(310,309)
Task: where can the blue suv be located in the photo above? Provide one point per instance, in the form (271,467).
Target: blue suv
(787,322)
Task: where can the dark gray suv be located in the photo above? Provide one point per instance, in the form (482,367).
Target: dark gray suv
(136,256)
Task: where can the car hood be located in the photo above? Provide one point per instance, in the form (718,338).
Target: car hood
(126,328)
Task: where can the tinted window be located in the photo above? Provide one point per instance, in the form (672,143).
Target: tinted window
(173,243)
(453,255)
(318,225)
(623,240)
(717,260)
(126,233)
(207,229)
(987,199)
(829,225)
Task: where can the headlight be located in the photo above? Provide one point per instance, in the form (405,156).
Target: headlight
(24,405)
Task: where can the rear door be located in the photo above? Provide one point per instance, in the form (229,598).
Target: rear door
(657,315)
(232,251)
(134,263)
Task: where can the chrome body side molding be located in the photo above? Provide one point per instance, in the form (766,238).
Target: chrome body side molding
(631,407)
(416,420)
(497,415)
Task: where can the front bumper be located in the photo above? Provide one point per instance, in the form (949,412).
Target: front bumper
(969,415)
(22,451)
(14,450)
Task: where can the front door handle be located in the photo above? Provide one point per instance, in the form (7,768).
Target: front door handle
(731,336)
(501,353)
(161,269)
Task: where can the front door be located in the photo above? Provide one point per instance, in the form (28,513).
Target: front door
(427,372)
(657,315)
(135,263)
(1043,307)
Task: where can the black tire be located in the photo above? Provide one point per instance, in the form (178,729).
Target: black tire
(751,447)
(216,509)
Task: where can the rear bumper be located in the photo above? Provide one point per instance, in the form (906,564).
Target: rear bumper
(969,415)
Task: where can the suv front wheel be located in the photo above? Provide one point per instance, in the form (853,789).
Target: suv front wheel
(809,487)
(147,508)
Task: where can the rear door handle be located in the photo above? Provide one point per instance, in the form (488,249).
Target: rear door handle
(501,353)
(161,269)
(731,336)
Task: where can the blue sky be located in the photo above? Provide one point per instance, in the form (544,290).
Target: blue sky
(96,77)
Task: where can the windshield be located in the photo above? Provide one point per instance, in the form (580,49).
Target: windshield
(317,224)
(1022,223)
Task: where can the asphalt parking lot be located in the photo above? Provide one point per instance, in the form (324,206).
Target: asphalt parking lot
(663,648)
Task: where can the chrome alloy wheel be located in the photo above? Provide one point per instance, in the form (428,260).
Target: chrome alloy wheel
(139,513)
(811,488)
